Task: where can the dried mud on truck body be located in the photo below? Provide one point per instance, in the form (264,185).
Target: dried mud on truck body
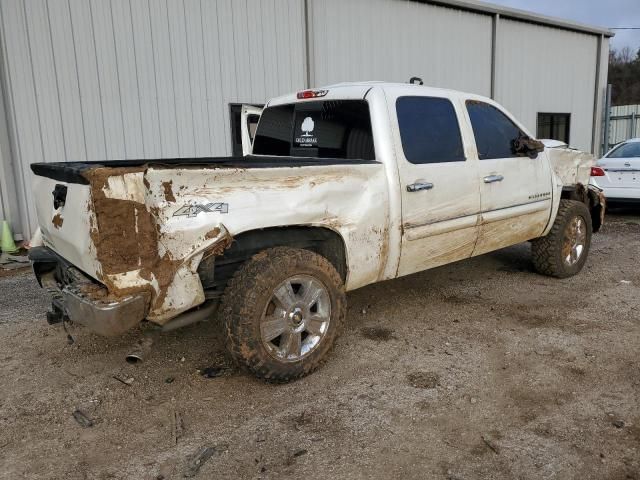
(127,237)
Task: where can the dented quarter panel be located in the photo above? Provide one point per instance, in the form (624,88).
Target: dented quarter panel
(569,168)
(350,200)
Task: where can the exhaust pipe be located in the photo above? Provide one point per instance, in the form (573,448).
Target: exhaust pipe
(194,316)
(140,352)
(143,346)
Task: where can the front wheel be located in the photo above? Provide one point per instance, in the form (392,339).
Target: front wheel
(563,251)
(283,310)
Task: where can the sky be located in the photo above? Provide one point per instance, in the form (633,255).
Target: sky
(603,13)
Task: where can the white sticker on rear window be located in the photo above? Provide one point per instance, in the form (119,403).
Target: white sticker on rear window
(307,138)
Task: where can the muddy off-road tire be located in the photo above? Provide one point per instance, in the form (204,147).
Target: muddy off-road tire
(563,252)
(282,312)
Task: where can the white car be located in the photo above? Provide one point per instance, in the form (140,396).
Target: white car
(618,172)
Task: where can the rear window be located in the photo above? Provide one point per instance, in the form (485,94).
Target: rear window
(326,129)
(626,150)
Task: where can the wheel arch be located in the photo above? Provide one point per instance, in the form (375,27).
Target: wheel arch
(216,271)
(592,197)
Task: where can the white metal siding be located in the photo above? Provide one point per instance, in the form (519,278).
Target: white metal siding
(394,40)
(126,79)
(543,69)
(123,79)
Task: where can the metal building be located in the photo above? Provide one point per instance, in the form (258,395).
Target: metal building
(123,79)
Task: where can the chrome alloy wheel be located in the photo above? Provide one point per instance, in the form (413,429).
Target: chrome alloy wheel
(575,239)
(296,318)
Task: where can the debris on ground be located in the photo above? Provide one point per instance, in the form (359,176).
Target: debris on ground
(178,426)
(491,444)
(213,372)
(618,423)
(204,454)
(379,334)
(13,262)
(298,453)
(127,381)
(423,379)
(83,420)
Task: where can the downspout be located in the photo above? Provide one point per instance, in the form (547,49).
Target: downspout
(494,42)
(607,121)
(596,99)
(307,45)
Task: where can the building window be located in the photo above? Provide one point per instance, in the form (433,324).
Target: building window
(235,114)
(554,126)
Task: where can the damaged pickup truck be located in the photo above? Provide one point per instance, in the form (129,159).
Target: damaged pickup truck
(345,186)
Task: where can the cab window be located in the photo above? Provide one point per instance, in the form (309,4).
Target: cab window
(429,130)
(493,130)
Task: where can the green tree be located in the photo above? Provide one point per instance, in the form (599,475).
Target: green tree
(624,76)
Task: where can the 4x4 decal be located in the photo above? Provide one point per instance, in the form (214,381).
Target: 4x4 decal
(193,210)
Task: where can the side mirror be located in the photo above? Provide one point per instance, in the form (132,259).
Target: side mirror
(527,146)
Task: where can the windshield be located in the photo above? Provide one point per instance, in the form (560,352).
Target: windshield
(324,129)
(626,150)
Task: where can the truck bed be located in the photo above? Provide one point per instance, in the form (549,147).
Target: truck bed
(72,172)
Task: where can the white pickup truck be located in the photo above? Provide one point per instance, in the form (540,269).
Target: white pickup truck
(346,186)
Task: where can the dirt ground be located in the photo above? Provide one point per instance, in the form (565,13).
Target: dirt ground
(476,370)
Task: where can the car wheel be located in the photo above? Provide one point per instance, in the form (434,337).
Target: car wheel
(283,310)
(563,251)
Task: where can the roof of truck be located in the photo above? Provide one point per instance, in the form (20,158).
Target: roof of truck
(358,90)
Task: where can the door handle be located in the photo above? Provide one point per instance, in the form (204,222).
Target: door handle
(418,186)
(493,178)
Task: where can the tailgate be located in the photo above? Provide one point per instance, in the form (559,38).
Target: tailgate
(67,228)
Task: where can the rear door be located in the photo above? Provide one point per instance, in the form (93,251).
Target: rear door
(515,191)
(439,183)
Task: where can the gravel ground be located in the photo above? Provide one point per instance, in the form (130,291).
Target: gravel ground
(476,370)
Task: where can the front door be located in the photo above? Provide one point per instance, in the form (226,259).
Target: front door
(439,182)
(515,191)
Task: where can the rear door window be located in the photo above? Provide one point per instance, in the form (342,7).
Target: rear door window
(429,130)
(326,129)
(493,130)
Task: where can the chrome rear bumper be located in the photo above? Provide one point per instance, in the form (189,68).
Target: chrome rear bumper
(81,300)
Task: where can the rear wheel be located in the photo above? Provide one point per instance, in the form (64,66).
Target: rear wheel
(283,310)
(563,251)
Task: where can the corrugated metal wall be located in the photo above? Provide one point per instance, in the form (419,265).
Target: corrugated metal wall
(622,129)
(542,69)
(396,40)
(116,79)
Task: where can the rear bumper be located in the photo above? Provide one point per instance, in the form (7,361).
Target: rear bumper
(620,194)
(79,299)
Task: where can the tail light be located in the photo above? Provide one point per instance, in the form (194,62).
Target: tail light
(597,172)
(312,94)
